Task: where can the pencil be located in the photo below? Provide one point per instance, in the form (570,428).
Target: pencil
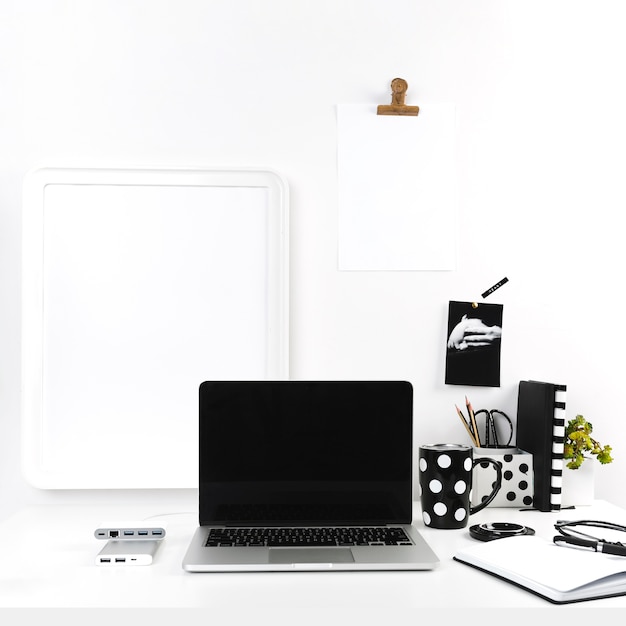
(467,428)
(470,410)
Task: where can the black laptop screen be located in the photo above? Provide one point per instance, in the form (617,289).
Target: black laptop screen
(301,452)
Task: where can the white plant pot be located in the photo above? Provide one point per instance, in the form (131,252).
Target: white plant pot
(579,484)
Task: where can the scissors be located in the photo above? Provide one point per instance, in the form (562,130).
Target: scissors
(491,432)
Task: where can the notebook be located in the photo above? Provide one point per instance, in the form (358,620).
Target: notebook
(541,431)
(306,475)
(560,575)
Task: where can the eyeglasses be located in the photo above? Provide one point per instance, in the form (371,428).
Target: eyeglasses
(571,537)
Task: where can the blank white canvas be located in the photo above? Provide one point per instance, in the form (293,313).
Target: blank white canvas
(144,325)
(397,189)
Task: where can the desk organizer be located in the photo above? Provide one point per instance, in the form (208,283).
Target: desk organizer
(517,477)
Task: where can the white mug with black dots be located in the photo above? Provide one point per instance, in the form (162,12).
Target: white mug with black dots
(445,479)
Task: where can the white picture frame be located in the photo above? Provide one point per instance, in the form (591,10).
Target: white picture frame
(137,285)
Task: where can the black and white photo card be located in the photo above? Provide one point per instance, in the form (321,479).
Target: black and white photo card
(473,344)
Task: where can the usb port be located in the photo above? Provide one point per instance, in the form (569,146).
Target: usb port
(120,560)
(103,560)
(158,533)
(142,533)
(129,533)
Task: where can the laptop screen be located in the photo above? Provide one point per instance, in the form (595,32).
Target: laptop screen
(305,452)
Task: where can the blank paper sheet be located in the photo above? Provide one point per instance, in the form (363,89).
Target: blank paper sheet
(397,189)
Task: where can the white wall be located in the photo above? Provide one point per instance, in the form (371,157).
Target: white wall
(540,97)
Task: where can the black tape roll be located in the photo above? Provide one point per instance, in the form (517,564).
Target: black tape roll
(498,530)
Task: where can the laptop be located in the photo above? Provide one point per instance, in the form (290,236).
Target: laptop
(306,475)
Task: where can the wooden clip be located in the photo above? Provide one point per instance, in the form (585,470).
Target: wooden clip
(399,88)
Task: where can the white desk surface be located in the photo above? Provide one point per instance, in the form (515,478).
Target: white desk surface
(47,559)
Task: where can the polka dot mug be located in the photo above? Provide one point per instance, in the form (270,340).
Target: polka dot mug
(445,480)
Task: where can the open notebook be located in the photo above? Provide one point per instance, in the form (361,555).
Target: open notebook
(558,574)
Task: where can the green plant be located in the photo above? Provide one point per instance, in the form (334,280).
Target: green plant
(578,441)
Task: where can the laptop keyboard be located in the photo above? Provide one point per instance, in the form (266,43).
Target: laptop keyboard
(307,537)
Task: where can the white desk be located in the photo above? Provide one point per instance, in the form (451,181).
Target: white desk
(47,559)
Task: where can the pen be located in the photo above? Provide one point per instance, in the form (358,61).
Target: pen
(591,544)
(467,428)
(470,410)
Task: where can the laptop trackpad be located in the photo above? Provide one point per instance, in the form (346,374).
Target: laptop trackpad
(311,555)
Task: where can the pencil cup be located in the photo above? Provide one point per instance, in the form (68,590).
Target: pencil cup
(445,479)
(517,477)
